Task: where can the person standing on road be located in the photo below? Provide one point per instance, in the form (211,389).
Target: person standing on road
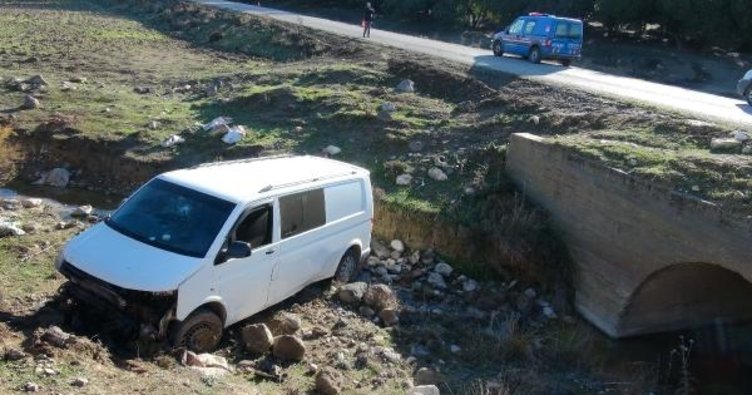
(368,15)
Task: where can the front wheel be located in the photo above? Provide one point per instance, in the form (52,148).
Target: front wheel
(498,49)
(348,267)
(565,62)
(200,332)
(535,55)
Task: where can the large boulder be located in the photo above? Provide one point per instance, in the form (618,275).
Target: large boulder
(353,292)
(284,324)
(58,177)
(406,86)
(257,338)
(725,145)
(379,296)
(56,336)
(329,381)
(30,102)
(437,174)
(288,348)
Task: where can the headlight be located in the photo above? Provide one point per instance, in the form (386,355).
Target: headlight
(59,260)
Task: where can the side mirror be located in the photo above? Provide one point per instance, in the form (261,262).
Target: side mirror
(238,250)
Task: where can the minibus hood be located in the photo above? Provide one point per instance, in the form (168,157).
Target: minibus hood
(112,257)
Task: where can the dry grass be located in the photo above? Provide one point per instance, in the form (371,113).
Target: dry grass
(10,155)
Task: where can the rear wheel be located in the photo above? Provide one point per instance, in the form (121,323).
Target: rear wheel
(535,55)
(565,62)
(348,267)
(498,49)
(200,332)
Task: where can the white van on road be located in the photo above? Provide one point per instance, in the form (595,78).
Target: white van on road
(196,250)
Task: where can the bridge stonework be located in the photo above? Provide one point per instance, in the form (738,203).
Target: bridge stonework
(647,259)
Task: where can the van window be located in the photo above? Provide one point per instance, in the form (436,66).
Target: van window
(569,30)
(516,27)
(301,212)
(529,27)
(344,200)
(256,228)
(543,27)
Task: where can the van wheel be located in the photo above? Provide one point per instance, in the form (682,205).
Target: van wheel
(565,62)
(348,267)
(498,49)
(200,332)
(534,55)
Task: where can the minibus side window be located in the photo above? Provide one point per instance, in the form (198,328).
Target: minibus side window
(301,212)
(256,228)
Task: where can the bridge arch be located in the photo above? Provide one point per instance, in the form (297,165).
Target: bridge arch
(686,295)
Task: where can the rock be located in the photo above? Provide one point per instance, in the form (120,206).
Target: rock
(366,311)
(58,177)
(530,293)
(437,174)
(31,387)
(205,360)
(173,140)
(30,102)
(329,381)
(404,179)
(696,188)
(78,79)
(298,129)
(154,125)
(82,211)
(470,285)
(142,90)
(427,376)
(288,348)
(397,245)
(725,144)
(444,269)
(284,324)
(387,107)
(416,146)
(80,382)
(379,297)
(394,268)
(436,280)
(14,354)
(67,86)
(747,149)
(389,316)
(10,229)
(257,339)
(549,313)
(406,86)
(31,202)
(379,249)
(740,136)
(56,336)
(535,120)
(440,161)
(454,349)
(332,150)
(29,228)
(37,80)
(426,390)
(353,292)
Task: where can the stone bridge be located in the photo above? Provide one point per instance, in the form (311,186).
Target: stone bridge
(647,259)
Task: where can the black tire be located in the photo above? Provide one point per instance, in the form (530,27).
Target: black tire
(565,62)
(201,332)
(535,55)
(347,269)
(498,49)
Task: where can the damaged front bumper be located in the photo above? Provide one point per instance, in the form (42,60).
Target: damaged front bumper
(141,313)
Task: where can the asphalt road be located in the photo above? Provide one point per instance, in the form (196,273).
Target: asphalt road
(692,103)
